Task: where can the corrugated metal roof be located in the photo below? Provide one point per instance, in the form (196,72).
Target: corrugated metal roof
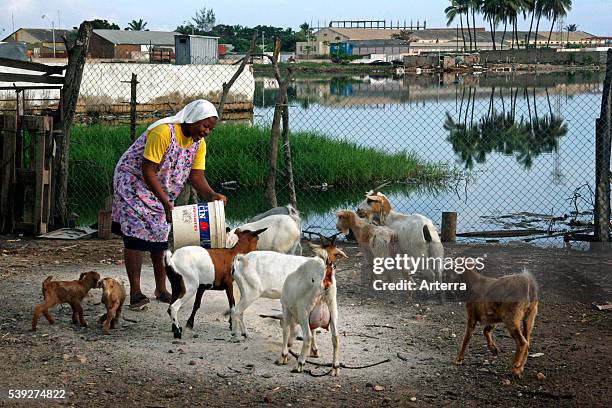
(137,37)
(43,34)
(365,33)
(378,43)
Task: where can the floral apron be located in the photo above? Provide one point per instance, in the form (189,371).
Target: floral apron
(135,207)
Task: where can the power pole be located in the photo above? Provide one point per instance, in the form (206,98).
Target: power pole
(53,32)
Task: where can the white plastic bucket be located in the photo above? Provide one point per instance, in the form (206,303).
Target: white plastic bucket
(199,224)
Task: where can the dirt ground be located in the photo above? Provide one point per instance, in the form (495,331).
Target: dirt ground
(141,364)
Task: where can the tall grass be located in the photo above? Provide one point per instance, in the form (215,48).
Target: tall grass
(240,152)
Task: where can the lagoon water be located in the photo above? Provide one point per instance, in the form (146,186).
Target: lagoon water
(523,143)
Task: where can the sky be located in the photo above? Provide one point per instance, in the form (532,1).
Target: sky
(592,16)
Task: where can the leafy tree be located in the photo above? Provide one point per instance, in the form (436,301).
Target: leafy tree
(98,24)
(204,20)
(405,35)
(137,25)
(240,36)
(187,28)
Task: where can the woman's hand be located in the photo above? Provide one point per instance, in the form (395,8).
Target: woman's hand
(221,197)
(198,180)
(168,207)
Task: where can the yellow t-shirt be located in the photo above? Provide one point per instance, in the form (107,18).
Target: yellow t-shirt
(159,139)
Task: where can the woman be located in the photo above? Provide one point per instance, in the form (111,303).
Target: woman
(148,178)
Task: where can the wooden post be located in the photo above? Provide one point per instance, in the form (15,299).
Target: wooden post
(274,136)
(228,85)
(449,227)
(133,84)
(77,52)
(603,136)
(7,171)
(42,203)
(281,98)
(287,147)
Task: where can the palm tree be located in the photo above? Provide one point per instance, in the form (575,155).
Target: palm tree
(452,12)
(474,5)
(524,7)
(531,8)
(511,14)
(540,9)
(137,25)
(464,8)
(557,8)
(571,28)
(492,11)
(507,14)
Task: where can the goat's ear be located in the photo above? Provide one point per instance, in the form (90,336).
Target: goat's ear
(81,276)
(259,231)
(320,252)
(340,252)
(313,246)
(101,283)
(237,231)
(227,229)
(374,198)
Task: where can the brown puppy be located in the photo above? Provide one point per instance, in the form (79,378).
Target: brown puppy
(113,296)
(71,292)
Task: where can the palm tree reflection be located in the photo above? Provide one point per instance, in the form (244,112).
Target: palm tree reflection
(502,132)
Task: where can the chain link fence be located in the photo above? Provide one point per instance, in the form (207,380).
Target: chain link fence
(506,151)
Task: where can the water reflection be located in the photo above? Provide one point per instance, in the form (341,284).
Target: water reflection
(503,132)
(244,203)
(349,91)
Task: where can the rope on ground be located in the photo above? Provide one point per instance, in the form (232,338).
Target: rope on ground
(342,365)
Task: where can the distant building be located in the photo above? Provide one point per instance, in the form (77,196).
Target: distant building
(129,45)
(40,41)
(368,47)
(330,40)
(196,49)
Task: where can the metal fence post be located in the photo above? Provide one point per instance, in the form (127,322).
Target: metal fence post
(133,103)
(602,160)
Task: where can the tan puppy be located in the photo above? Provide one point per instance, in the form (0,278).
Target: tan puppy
(71,292)
(113,296)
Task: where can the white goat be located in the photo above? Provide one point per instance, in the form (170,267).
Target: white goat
(282,234)
(309,299)
(417,235)
(260,274)
(286,210)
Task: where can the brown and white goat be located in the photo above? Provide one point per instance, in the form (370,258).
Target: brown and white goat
(417,235)
(375,208)
(113,297)
(71,292)
(511,300)
(192,269)
(381,242)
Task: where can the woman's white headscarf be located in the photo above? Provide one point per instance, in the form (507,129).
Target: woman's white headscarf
(192,112)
